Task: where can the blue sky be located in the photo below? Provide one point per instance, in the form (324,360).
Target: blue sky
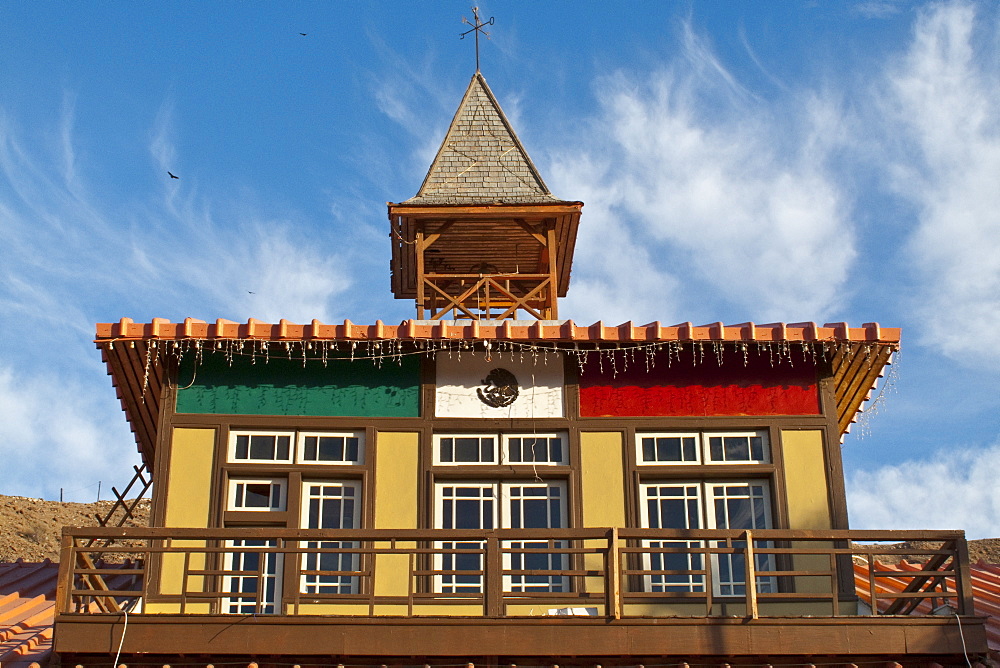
(788,162)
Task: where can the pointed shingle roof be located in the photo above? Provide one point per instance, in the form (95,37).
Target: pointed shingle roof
(481,160)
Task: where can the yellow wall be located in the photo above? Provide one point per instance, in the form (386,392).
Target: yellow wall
(189,492)
(808,502)
(397,475)
(602,483)
(602,479)
(805,480)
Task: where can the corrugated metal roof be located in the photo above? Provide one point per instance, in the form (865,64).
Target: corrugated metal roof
(481,160)
(985,592)
(27,610)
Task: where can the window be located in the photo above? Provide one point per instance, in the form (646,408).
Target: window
(520,449)
(535,449)
(669,448)
(513,505)
(256,494)
(259,471)
(731,504)
(245,446)
(675,564)
(466,449)
(330,448)
(253,585)
(741,448)
(750,447)
(302,447)
(330,504)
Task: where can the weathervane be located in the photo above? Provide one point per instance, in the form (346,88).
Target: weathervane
(477,28)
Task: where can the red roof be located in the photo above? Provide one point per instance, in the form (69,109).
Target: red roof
(27,608)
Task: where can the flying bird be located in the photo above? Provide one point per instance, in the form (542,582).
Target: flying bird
(172,175)
(303,34)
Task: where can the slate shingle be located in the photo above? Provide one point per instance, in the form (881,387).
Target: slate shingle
(481,160)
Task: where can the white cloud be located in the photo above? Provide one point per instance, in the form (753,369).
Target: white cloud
(955,488)
(728,195)
(87,443)
(944,101)
(73,256)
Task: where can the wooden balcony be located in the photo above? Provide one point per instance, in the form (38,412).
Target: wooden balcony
(503,593)
(486,296)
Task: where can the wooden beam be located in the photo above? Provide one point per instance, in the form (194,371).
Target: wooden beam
(530,229)
(486,210)
(420,245)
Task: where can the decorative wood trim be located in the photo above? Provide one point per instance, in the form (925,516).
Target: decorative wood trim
(664,640)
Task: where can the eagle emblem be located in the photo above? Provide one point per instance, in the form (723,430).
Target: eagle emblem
(499,388)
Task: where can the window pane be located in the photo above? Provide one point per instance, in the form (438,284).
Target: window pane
(514,450)
(669,448)
(447,450)
(261,447)
(242,446)
(283,446)
(737,448)
(257,495)
(467,450)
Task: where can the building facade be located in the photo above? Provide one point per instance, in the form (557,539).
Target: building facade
(487,483)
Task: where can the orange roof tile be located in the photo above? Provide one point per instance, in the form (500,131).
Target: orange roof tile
(27,610)
(512,330)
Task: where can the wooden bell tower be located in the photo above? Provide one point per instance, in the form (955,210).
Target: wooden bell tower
(483,239)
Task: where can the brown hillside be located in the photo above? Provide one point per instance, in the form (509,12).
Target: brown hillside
(31,529)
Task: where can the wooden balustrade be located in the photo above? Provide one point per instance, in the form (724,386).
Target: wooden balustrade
(607,573)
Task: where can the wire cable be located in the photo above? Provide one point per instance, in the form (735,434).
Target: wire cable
(122,641)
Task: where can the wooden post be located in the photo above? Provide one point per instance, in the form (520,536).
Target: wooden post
(67,561)
(613,567)
(553,310)
(964,577)
(493,577)
(751,578)
(419,248)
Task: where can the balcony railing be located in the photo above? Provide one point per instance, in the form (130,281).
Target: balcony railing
(486,296)
(607,573)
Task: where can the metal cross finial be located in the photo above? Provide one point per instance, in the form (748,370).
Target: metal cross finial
(477,28)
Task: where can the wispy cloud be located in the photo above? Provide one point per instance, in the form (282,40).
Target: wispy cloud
(74,255)
(953,489)
(87,444)
(713,188)
(944,102)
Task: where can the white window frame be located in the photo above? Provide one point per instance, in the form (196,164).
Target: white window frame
(273,568)
(499,492)
(300,447)
(233,435)
(497,447)
(281,483)
(760,433)
(668,434)
(764,562)
(707,496)
(345,584)
(501,448)
(505,447)
(703,452)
